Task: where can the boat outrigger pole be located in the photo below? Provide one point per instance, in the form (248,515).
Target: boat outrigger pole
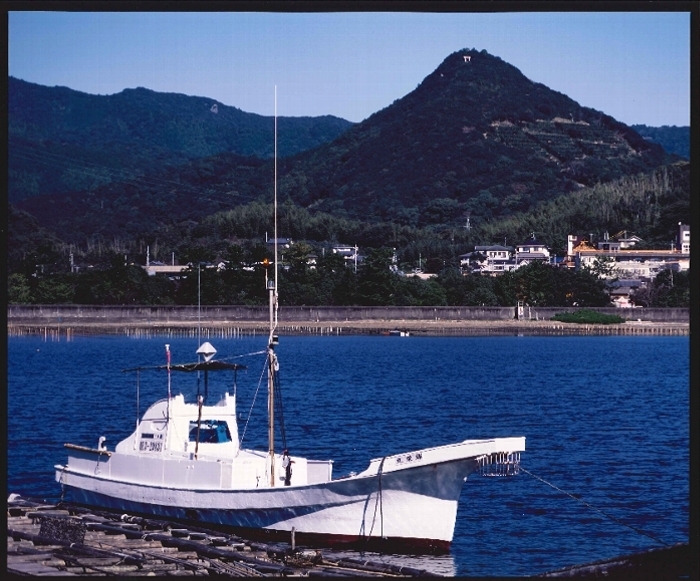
(272,340)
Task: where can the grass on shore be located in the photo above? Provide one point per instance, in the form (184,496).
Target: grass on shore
(586,317)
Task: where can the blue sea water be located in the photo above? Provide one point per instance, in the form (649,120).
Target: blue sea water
(606,470)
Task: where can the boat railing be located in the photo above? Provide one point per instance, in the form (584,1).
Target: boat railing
(499,464)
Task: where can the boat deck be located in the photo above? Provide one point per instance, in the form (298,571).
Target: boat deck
(63,540)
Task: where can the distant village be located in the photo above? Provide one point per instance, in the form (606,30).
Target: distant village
(627,264)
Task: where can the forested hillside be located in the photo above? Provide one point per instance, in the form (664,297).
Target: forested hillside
(61,140)
(476,138)
(651,205)
(476,154)
(673,139)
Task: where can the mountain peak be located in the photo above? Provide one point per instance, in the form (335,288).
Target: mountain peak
(490,89)
(479,134)
(476,138)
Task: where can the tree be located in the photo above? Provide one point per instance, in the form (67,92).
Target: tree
(414,291)
(482,294)
(158,290)
(53,292)
(377,284)
(585,289)
(18,290)
(668,289)
(454,283)
(603,267)
(345,288)
(539,284)
(297,257)
(434,265)
(483,205)
(440,211)
(536,284)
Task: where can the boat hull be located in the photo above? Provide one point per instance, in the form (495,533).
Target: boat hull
(407,499)
(228,521)
(414,508)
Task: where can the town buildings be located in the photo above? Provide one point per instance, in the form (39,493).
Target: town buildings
(627,258)
(498,259)
(621,258)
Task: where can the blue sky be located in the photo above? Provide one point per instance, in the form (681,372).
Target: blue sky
(634,66)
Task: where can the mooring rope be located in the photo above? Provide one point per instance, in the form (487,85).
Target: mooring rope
(251,354)
(618,521)
(262,375)
(63,483)
(279,408)
(378,501)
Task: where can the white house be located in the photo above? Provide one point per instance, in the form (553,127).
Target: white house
(530,251)
(169,270)
(348,253)
(683,240)
(281,242)
(498,258)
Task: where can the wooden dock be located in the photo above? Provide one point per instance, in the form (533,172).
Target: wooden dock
(675,563)
(46,540)
(62,540)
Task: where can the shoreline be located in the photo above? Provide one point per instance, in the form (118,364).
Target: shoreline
(426,328)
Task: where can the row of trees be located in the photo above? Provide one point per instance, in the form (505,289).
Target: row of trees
(648,205)
(331,282)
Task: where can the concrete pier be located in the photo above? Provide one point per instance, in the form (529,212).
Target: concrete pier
(223,321)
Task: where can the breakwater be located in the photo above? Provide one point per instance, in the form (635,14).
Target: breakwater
(53,321)
(230,314)
(213,330)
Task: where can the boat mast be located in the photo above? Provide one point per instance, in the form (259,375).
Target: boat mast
(167,419)
(272,340)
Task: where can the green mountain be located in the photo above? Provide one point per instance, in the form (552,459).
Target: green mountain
(142,205)
(475,140)
(475,137)
(61,140)
(28,243)
(673,139)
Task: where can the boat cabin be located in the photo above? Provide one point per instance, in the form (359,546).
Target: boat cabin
(211,430)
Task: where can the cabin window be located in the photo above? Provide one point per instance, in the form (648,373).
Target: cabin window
(210,432)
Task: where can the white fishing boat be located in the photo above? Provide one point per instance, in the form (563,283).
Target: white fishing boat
(185,462)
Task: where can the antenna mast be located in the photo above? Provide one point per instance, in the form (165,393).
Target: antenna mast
(273,365)
(276,238)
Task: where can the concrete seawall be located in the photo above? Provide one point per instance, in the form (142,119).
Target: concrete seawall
(231,321)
